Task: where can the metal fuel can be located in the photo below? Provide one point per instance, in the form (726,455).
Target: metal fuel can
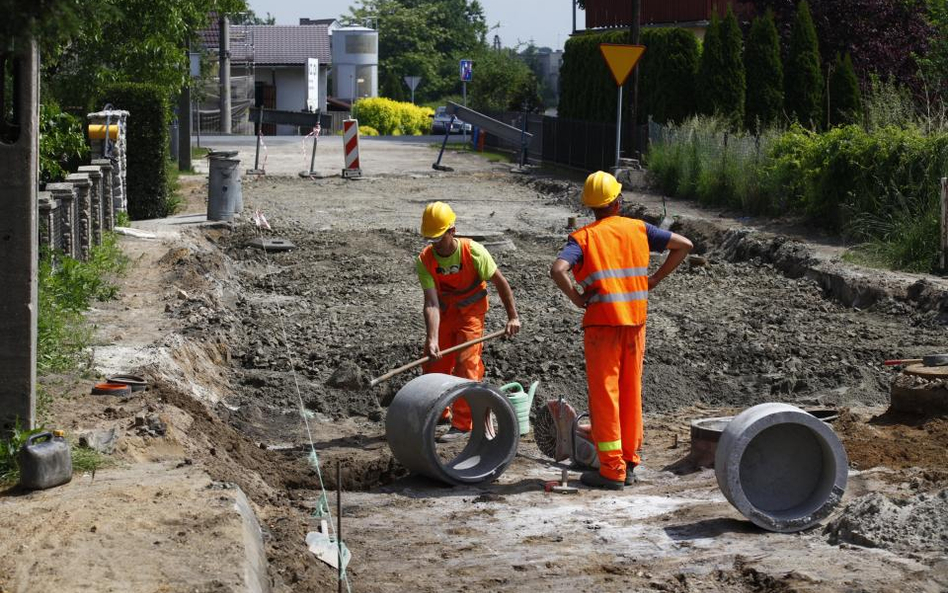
(45,461)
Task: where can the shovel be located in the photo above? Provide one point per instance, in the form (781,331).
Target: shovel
(929,360)
(422,361)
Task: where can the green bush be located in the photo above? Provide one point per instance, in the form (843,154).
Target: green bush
(367,131)
(392,118)
(62,145)
(667,75)
(803,78)
(147,138)
(763,104)
(845,98)
(721,71)
(879,188)
(587,89)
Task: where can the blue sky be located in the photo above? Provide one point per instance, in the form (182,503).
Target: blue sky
(547,22)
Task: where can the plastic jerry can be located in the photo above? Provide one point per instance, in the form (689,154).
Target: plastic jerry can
(45,461)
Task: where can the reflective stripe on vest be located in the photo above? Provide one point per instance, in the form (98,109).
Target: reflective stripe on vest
(614,270)
(459,290)
(623,273)
(620,297)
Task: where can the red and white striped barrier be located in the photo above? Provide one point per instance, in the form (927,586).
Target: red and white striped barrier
(350,141)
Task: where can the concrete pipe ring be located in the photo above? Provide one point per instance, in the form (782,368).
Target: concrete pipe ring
(413,417)
(781,467)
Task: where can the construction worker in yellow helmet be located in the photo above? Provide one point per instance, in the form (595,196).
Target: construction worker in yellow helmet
(453,273)
(609,259)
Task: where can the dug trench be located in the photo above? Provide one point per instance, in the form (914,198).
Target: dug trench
(730,329)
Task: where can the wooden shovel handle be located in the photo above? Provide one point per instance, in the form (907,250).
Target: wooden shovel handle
(422,361)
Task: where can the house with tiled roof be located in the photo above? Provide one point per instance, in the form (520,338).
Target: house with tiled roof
(285,62)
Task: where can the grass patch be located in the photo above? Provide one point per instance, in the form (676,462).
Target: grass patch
(67,288)
(198,153)
(175,200)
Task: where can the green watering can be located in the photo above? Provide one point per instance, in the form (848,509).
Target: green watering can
(521,401)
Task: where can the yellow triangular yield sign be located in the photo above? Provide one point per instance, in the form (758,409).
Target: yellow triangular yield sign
(621,59)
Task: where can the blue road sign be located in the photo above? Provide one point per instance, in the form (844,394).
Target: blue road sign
(467,70)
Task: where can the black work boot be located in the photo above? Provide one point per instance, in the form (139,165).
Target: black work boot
(630,473)
(596,480)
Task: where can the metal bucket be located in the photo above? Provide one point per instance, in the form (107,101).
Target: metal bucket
(224,192)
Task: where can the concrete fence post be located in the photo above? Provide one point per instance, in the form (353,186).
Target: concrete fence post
(114,150)
(65,194)
(108,205)
(19,169)
(95,200)
(49,231)
(84,212)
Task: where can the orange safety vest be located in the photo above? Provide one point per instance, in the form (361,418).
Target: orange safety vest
(464,291)
(615,268)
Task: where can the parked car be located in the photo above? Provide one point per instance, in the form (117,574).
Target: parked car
(441,121)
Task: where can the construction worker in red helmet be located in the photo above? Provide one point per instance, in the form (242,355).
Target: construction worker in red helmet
(453,274)
(609,259)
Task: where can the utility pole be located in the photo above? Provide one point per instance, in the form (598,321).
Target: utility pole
(573,2)
(225,74)
(635,31)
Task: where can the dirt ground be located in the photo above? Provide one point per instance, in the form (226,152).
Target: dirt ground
(218,326)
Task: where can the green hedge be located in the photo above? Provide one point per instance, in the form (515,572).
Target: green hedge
(393,118)
(666,76)
(147,138)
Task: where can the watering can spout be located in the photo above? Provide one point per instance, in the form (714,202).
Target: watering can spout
(533,389)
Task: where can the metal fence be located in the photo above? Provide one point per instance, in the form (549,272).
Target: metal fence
(572,143)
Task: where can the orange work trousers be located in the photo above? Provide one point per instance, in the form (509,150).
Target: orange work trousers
(457,328)
(614,357)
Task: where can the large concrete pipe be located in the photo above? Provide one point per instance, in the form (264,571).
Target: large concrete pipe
(413,416)
(781,467)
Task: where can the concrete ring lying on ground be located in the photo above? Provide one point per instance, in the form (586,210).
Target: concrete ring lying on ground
(781,467)
(414,414)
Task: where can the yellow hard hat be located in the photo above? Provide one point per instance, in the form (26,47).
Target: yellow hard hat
(600,190)
(436,220)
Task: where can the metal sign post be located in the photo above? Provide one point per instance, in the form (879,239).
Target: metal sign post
(467,75)
(621,60)
(412,82)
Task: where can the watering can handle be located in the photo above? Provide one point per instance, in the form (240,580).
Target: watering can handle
(510,386)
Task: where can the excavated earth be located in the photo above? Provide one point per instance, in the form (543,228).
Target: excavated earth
(273,351)
(743,324)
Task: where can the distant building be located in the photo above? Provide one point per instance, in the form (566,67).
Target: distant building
(274,58)
(694,15)
(547,69)
(269,68)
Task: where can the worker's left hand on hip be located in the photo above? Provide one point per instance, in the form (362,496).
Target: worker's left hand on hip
(513,326)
